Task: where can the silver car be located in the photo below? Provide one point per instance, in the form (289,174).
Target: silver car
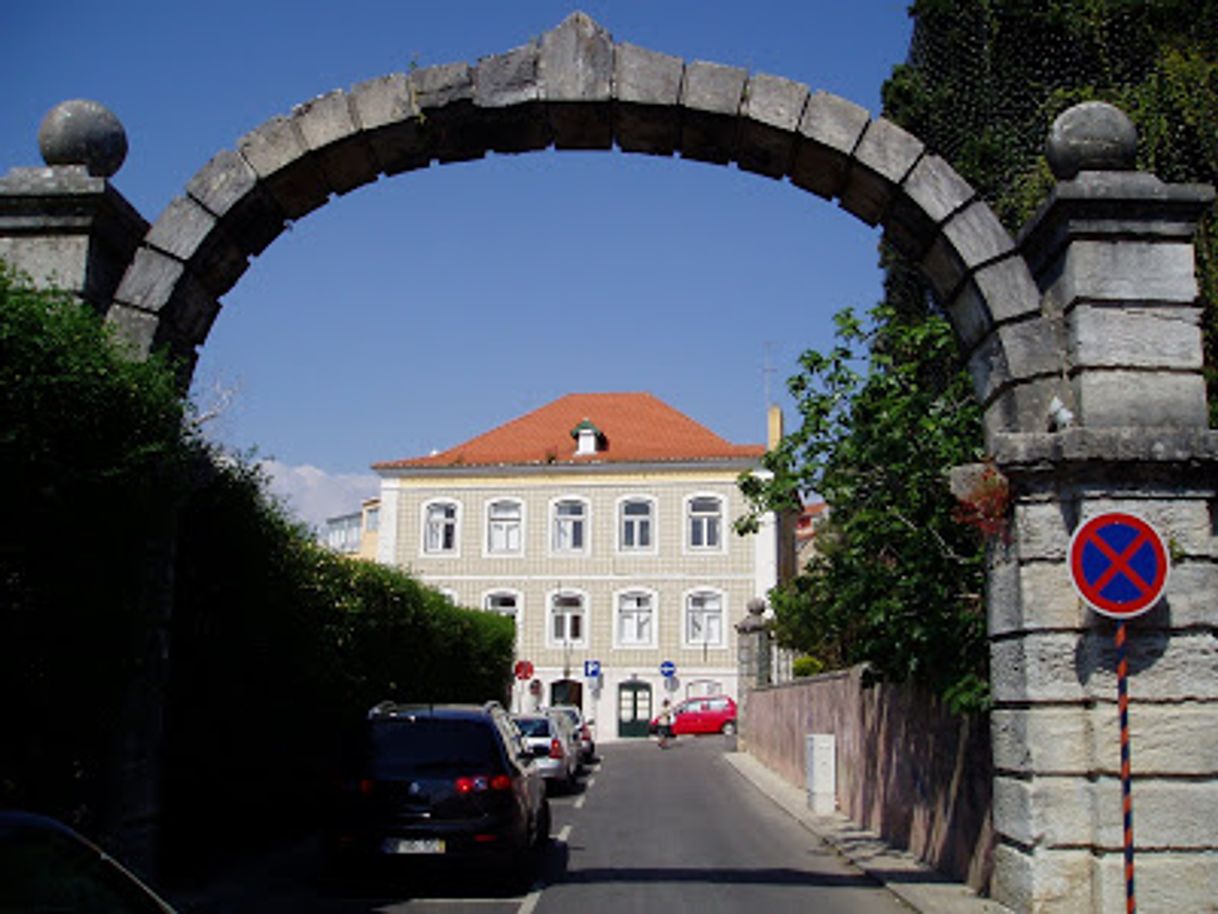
(583,731)
(554,744)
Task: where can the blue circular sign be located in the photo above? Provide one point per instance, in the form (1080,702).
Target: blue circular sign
(668,669)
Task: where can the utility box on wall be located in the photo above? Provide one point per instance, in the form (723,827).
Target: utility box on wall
(821,760)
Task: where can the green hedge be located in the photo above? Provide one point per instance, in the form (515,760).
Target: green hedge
(277,646)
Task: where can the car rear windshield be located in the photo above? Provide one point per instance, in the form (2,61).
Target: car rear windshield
(426,745)
(533,726)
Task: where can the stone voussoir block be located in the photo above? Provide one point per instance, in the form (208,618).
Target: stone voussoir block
(149,281)
(223,182)
(331,130)
(389,110)
(508,79)
(192,311)
(575,69)
(883,157)
(1023,407)
(647,94)
(769,118)
(930,193)
(971,238)
(575,62)
(711,96)
(181,228)
(830,128)
(136,328)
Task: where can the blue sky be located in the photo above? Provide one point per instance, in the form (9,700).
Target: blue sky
(423,309)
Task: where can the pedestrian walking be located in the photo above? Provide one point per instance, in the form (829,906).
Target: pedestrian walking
(665,724)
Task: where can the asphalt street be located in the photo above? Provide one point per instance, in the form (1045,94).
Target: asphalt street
(647,830)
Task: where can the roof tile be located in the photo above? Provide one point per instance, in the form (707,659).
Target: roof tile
(637,427)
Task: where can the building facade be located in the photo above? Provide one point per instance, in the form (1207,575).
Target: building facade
(355,534)
(602,523)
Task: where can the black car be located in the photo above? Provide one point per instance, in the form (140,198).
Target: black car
(440,782)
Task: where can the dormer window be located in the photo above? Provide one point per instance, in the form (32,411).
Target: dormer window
(588,439)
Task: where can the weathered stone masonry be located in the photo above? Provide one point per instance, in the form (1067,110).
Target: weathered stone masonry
(1082,337)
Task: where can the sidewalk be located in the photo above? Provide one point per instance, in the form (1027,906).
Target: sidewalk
(916,884)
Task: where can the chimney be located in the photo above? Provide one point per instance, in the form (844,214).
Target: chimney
(773,427)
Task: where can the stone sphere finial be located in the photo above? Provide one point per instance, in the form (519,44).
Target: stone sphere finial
(1092,136)
(83,132)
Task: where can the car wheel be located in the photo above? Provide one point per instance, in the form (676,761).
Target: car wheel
(729,728)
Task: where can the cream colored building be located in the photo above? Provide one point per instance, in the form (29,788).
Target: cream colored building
(602,523)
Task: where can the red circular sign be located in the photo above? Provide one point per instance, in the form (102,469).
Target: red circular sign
(524,669)
(1118,564)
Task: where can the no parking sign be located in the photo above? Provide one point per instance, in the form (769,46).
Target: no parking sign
(1118,564)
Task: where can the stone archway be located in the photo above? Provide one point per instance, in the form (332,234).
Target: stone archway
(574,88)
(1094,307)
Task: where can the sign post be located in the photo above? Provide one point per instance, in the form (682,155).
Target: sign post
(1118,565)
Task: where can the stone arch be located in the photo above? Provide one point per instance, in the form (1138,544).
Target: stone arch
(575,88)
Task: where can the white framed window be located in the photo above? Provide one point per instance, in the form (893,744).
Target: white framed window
(441,525)
(567,621)
(569,526)
(504,527)
(636,524)
(704,523)
(703,624)
(634,624)
(504,603)
(448,594)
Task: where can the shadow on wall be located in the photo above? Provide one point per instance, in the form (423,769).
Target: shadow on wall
(906,768)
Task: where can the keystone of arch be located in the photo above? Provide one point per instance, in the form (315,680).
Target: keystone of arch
(575,88)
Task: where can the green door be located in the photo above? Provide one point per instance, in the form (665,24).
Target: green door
(633,709)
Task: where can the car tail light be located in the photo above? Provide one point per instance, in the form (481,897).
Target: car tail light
(583,732)
(366,786)
(555,748)
(480,783)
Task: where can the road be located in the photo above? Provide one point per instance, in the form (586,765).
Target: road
(650,831)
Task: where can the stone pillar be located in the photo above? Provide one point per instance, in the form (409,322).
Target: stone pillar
(1112,253)
(752,661)
(65,225)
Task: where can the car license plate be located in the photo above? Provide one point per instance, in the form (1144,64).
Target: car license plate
(413,846)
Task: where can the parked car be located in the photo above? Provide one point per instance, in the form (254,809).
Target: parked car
(583,729)
(440,782)
(553,742)
(46,866)
(709,714)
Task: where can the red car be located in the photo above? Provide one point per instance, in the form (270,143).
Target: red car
(710,714)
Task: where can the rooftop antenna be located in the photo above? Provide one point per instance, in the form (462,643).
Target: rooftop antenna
(767,370)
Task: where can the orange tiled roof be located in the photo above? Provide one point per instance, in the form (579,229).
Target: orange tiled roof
(636,427)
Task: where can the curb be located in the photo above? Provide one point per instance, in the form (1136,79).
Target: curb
(913,882)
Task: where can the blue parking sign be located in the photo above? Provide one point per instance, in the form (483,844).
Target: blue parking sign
(592,669)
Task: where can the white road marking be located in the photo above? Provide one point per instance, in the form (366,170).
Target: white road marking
(529,902)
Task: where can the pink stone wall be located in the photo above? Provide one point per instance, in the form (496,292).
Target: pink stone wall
(906,768)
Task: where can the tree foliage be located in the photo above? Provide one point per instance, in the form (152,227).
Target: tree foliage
(276,645)
(92,447)
(887,412)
